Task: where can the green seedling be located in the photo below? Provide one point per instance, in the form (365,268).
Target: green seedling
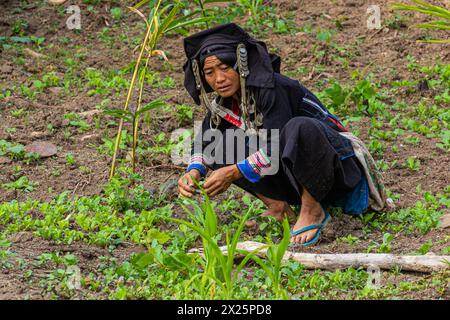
(412,164)
(22,184)
(70,160)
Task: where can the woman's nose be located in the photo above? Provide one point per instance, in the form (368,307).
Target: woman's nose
(220,77)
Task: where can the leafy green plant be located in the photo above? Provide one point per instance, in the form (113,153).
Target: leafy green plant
(207,13)
(70,160)
(76,121)
(445,138)
(272,266)
(376,147)
(217,267)
(21,184)
(19,113)
(349,239)
(16,152)
(431,10)
(116,13)
(425,248)
(385,246)
(19,27)
(412,164)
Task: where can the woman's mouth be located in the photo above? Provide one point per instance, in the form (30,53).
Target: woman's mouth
(223,89)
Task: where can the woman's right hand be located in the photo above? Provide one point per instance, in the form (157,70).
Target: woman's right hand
(186,185)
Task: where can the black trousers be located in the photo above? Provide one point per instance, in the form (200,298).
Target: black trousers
(312,156)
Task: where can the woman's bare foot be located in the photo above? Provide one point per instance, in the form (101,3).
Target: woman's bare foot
(311,213)
(277,209)
(308,216)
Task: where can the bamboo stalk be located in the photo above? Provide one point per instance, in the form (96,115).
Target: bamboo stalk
(424,263)
(141,90)
(130,91)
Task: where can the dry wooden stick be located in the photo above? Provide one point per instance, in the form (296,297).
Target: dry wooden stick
(424,263)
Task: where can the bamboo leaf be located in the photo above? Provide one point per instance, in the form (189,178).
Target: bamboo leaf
(139,14)
(187,23)
(141,3)
(169,18)
(434,41)
(151,105)
(429,9)
(434,25)
(122,114)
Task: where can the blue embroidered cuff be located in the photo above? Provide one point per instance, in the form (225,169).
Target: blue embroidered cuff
(247,171)
(199,167)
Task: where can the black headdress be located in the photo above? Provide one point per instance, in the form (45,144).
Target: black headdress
(226,38)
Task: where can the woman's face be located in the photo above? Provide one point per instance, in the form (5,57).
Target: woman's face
(221,77)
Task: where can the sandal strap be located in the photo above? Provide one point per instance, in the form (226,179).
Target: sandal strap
(312,226)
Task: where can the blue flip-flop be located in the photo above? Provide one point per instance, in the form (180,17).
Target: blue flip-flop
(319,227)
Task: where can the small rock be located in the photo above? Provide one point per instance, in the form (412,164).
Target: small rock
(93,137)
(90,113)
(21,237)
(33,54)
(55,90)
(5,160)
(38,134)
(445,221)
(6,69)
(250,224)
(42,148)
(56,2)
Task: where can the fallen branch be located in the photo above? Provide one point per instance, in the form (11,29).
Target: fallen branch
(425,263)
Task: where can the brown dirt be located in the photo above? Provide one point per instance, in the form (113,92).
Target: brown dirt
(27,248)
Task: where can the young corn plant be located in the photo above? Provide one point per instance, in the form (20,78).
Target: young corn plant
(218,267)
(161,21)
(443,23)
(272,265)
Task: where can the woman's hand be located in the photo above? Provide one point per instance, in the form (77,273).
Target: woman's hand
(186,185)
(221,179)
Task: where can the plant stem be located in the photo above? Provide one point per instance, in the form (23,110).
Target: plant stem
(130,90)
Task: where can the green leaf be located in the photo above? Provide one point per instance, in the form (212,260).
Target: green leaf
(21,39)
(161,237)
(143,260)
(121,114)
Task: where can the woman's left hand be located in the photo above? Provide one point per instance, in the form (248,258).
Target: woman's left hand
(221,179)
